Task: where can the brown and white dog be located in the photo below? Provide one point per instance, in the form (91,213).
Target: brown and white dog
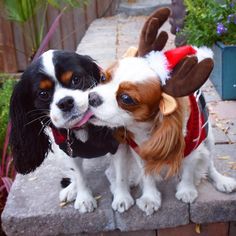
(151,101)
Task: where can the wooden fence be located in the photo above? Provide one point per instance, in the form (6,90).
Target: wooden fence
(15,51)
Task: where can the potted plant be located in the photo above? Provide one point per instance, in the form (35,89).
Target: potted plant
(213,23)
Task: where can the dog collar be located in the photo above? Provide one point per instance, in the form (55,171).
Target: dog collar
(59,135)
(197,125)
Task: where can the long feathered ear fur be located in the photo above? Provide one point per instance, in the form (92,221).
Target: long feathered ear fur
(29,144)
(166,144)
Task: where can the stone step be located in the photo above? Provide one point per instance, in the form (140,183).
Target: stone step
(141,7)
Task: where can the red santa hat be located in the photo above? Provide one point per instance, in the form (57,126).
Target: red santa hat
(163,62)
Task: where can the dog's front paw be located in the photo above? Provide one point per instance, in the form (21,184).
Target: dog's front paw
(85,202)
(122,202)
(149,203)
(69,193)
(186,194)
(225,184)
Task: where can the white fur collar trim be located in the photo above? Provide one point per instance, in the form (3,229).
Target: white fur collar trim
(158,63)
(203,53)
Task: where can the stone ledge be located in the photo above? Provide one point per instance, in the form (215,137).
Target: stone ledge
(141,7)
(212,205)
(33,205)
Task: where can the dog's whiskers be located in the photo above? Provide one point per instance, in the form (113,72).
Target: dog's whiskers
(38,118)
(37,110)
(92,85)
(44,126)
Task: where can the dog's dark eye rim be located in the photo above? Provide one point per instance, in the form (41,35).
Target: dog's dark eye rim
(103,78)
(75,79)
(44,95)
(127,100)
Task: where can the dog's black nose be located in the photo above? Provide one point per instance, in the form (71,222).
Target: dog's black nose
(94,99)
(66,103)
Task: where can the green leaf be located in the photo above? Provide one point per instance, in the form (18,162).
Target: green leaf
(20,10)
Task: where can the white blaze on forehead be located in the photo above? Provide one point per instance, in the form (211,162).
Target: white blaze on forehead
(133,70)
(48,66)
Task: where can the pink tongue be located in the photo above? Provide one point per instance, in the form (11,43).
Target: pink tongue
(85,118)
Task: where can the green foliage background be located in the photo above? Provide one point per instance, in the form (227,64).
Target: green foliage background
(6,88)
(201,22)
(24,12)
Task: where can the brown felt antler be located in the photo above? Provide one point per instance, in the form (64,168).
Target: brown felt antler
(149,38)
(188,76)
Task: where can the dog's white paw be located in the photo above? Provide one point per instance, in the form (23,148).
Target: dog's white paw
(69,193)
(122,202)
(149,203)
(85,202)
(225,184)
(186,194)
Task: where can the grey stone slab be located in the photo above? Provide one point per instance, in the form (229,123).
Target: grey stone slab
(33,205)
(172,212)
(219,136)
(210,92)
(232,130)
(92,39)
(119,233)
(141,7)
(213,206)
(131,233)
(225,165)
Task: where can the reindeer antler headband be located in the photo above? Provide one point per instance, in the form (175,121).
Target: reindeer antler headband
(180,75)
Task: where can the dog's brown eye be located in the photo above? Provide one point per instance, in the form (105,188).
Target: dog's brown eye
(126,99)
(44,95)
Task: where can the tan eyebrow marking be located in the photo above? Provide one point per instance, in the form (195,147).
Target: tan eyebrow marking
(66,77)
(45,84)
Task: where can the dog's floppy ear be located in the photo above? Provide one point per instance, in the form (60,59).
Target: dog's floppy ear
(166,144)
(29,143)
(167,104)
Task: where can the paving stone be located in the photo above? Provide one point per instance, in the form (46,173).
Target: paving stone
(232,131)
(96,38)
(213,206)
(119,233)
(225,166)
(225,109)
(209,92)
(219,136)
(172,212)
(216,229)
(131,233)
(141,7)
(33,205)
